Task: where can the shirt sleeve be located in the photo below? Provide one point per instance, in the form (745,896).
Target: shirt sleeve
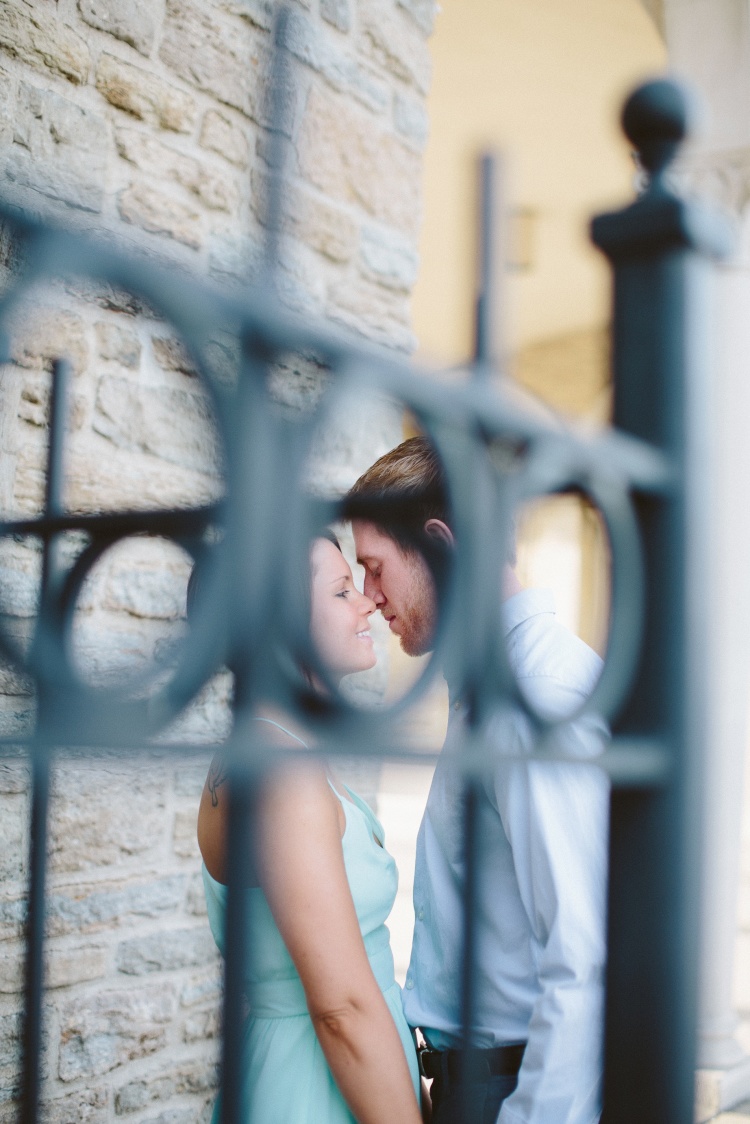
(556,819)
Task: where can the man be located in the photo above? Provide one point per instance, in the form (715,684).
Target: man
(543,829)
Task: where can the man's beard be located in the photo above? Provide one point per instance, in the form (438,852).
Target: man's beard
(418,621)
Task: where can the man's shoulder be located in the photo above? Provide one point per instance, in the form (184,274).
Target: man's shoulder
(540,646)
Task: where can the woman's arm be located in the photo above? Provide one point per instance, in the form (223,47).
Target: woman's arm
(303,875)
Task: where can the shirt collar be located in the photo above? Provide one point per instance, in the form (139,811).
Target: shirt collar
(527,603)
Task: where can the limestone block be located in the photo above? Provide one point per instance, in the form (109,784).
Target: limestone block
(17,718)
(338,13)
(103,295)
(205,987)
(208,719)
(343,155)
(423,13)
(173,1116)
(19,592)
(13,682)
(371,311)
(313,220)
(72,965)
(7,97)
(118,344)
(166,951)
(198,1077)
(151,586)
(215,56)
(309,43)
(389,258)
(33,405)
(306,40)
(173,424)
(367,87)
(102,475)
(143,95)
(15,777)
(14,815)
(389,37)
(29,482)
(86,1106)
(201,1026)
(196,898)
(105,1029)
(91,907)
(411,119)
(171,354)
(10,1065)
(184,839)
(258,13)
(12,917)
(145,152)
(41,40)
(58,149)
(132,21)
(102,815)
(46,332)
(159,213)
(11,968)
(219,133)
(189,778)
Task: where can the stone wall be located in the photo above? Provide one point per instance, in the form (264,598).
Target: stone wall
(146,121)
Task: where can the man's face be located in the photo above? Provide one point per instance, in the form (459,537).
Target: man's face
(401,586)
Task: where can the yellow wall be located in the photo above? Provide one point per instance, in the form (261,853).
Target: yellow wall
(542,80)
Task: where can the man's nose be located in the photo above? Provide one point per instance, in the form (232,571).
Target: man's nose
(373,591)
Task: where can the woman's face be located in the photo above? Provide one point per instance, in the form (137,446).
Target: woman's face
(340,614)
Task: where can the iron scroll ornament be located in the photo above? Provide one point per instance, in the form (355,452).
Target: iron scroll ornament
(253,567)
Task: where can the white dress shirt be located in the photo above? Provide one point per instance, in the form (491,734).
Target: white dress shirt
(541,900)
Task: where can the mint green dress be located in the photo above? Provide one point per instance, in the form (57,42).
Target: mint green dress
(288,1079)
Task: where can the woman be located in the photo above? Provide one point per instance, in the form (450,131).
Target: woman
(326,1040)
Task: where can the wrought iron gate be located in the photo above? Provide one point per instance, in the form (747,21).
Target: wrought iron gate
(644,475)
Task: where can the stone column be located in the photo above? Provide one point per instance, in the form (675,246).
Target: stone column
(709,46)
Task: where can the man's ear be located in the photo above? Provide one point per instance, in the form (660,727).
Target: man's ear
(440,531)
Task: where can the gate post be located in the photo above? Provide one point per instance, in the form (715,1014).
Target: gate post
(660,248)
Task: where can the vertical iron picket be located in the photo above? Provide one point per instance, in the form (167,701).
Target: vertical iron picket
(660,248)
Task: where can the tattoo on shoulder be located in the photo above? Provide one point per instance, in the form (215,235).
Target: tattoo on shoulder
(217,774)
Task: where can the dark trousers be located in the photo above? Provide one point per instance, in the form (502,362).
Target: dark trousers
(485,1099)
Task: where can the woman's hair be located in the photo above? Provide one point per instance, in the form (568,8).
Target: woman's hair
(199,573)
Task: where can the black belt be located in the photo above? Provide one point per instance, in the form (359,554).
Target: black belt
(499,1061)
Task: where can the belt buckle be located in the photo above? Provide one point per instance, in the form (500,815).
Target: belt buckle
(421,1053)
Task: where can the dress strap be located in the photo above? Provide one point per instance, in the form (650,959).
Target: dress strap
(283,729)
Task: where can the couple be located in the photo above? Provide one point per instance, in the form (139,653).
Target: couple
(328,1039)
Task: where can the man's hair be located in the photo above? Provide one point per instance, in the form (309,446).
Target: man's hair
(400,492)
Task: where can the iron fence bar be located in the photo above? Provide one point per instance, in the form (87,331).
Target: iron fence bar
(660,249)
(41,760)
(628,761)
(34,988)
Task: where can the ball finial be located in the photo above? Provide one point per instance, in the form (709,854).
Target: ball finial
(656,119)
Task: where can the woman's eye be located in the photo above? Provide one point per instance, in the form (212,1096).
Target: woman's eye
(343,593)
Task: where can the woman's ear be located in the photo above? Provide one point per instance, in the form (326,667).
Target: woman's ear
(440,531)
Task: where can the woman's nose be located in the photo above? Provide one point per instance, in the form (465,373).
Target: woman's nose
(368,605)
